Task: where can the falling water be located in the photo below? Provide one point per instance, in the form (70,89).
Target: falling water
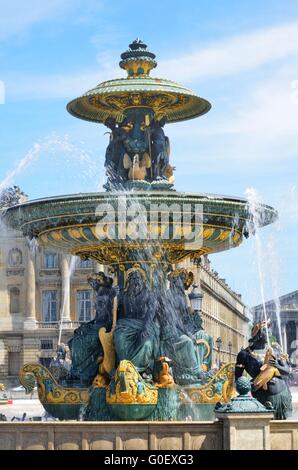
(255,211)
(274,276)
(189,411)
(66,294)
(33,245)
(53,145)
(20,166)
(287,222)
(60,145)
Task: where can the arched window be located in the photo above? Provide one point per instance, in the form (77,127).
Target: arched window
(15,257)
(14,300)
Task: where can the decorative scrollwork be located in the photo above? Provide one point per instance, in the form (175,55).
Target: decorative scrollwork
(219,389)
(49,391)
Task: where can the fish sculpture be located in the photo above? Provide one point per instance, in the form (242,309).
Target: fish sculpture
(267,372)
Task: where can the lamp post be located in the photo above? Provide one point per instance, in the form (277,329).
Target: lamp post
(196,298)
(218,345)
(230,345)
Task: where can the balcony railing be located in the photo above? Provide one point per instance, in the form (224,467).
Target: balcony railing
(66,325)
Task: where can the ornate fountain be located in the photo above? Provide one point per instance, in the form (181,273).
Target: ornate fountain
(145,355)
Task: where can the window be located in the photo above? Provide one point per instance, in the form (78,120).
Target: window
(49,305)
(85,264)
(14,363)
(14,300)
(46,344)
(84,305)
(50,260)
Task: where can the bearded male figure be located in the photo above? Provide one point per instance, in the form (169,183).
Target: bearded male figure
(179,338)
(85,346)
(136,336)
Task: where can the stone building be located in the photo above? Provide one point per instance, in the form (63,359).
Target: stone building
(224,314)
(37,287)
(283,313)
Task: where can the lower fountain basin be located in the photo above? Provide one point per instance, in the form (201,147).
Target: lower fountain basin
(107,226)
(128,397)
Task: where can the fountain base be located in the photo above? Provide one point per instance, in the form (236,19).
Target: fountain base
(128,397)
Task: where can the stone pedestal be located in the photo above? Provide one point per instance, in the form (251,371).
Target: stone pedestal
(245,431)
(245,421)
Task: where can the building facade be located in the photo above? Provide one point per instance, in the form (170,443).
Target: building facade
(283,313)
(37,289)
(40,288)
(224,314)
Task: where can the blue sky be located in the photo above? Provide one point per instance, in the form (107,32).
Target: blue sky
(241,56)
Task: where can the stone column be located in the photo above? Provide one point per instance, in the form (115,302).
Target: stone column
(65,275)
(30,321)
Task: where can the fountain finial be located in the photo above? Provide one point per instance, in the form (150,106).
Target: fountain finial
(137,60)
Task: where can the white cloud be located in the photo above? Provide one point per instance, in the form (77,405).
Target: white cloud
(54,86)
(264,127)
(16,16)
(234,55)
(269,111)
(225,58)
(261,127)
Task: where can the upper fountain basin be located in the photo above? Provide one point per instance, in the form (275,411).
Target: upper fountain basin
(113,97)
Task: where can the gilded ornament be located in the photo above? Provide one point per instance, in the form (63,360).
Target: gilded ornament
(49,391)
(207,233)
(128,387)
(267,371)
(220,388)
(165,378)
(189,276)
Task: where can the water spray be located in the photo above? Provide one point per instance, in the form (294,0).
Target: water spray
(255,210)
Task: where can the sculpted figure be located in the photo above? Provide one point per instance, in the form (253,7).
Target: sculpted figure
(115,152)
(12,196)
(159,149)
(85,347)
(105,294)
(136,336)
(60,365)
(269,370)
(178,341)
(204,342)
